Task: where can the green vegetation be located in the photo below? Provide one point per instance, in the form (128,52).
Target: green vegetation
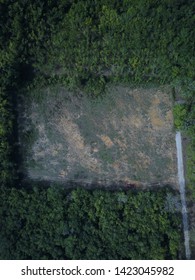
(179,112)
(190,152)
(190,167)
(6,126)
(184,118)
(80,224)
(87,45)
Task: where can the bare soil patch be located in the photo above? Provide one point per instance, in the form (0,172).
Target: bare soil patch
(127,136)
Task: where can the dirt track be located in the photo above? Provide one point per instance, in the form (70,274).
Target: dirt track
(182,194)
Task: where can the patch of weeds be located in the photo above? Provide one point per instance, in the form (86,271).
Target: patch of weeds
(87,128)
(120,114)
(81,173)
(37,96)
(52,135)
(32,163)
(106,156)
(163,107)
(35,165)
(159,164)
(143,175)
(30,136)
(158,176)
(109,102)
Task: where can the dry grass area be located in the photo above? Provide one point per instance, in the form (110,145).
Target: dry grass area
(127,137)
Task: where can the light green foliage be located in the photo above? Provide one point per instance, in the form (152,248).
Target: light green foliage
(179,112)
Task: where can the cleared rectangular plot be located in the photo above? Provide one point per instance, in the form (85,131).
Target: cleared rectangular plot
(125,137)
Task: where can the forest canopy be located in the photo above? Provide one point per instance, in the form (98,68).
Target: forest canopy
(83,224)
(86,45)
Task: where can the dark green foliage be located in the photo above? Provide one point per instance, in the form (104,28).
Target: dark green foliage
(6,126)
(131,42)
(52,224)
(89,43)
(86,45)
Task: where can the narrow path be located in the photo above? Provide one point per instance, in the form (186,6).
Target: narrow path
(182,194)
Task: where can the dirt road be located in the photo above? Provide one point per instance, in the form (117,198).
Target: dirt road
(181,179)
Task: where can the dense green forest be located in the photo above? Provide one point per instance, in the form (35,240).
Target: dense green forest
(88,45)
(5,133)
(83,224)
